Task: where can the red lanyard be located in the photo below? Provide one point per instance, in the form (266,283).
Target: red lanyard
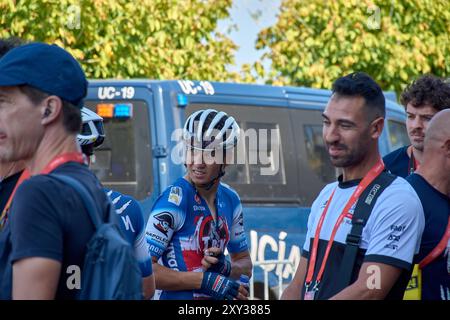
(4,217)
(436,252)
(62,159)
(373,173)
(52,165)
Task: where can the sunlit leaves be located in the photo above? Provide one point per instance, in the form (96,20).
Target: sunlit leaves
(315,41)
(159,39)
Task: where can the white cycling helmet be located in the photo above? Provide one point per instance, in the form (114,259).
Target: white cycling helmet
(92,133)
(210,129)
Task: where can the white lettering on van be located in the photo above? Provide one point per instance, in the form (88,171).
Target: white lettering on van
(258,253)
(263,242)
(189,87)
(106,93)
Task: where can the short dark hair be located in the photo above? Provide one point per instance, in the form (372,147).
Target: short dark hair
(8,44)
(362,85)
(71,114)
(427,90)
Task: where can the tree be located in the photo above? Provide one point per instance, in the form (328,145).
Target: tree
(160,39)
(315,41)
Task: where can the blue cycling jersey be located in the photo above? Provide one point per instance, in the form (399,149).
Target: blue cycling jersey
(181,228)
(132,224)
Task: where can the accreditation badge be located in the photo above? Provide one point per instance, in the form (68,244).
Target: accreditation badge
(414,289)
(309,295)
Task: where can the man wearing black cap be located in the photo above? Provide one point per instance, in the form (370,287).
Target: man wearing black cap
(42,88)
(10,172)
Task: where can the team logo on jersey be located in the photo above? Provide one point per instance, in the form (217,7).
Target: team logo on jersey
(241,219)
(165,222)
(176,195)
(240,228)
(209,233)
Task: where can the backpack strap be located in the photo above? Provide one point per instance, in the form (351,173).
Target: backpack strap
(88,202)
(359,220)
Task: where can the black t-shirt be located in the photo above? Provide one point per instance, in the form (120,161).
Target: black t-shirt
(48,219)
(436,207)
(6,188)
(398,162)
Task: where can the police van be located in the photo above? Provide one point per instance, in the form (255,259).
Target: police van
(282,169)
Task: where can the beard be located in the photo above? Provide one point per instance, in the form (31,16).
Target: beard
(11,153)
(350,156)
(414,138)
(417,145)
(7,155)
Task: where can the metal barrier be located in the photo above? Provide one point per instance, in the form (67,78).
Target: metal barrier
(266,277)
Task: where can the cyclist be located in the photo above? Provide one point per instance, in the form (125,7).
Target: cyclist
(197,217)
(128,209)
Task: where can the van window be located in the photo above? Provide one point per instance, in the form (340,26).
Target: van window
(251,159)
(315,168)
(398,136)
(266,167)
(317,154)
(124,161)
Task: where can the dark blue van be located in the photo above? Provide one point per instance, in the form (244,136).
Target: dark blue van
(137,156)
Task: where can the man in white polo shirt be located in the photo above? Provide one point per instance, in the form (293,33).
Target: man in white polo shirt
(352,123)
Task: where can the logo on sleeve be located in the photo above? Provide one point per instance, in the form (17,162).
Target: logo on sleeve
(165,222)
(241,219)
(397,228)
(239,227)
(176,195)
(393,237)
(324,204)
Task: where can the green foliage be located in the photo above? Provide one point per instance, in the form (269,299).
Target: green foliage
(159,39)
(315,41)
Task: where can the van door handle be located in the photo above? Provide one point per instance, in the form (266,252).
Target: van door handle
(160,152)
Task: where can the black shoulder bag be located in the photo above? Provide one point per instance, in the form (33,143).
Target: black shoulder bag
(364,207)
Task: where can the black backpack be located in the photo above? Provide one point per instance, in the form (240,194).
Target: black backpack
(363,208)
(110,270)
